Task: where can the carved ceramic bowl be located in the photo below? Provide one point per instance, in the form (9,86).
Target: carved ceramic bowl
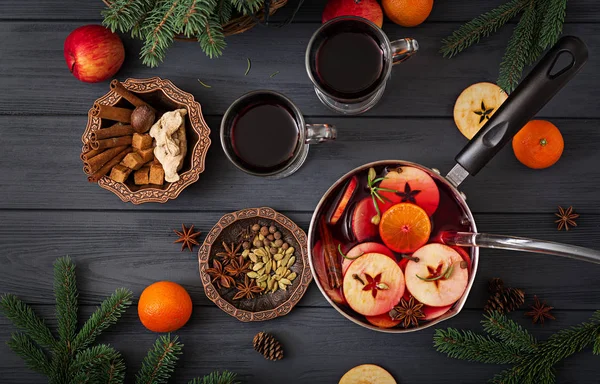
(261,307)
(164,96)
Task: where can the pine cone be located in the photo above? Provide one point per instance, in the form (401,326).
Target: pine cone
(505,300)
(494,285)
(268,346)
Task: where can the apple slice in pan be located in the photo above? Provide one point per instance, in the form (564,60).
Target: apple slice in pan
(382,321)
(362,227)
(363,249)
(335,295)
(435,312)
(438,278)
(341,202)
(413,186)
(373,284)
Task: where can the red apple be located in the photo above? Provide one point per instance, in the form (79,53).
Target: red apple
(93,53)
(442,286)
(413,186)
(319,263)
(363,249)
(465,256)
(382,321)
(367,9)
(340,203)
(362,227)
(434,312)
(373,284)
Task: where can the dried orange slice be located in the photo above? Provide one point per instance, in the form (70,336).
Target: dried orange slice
(405,227)
(367,374)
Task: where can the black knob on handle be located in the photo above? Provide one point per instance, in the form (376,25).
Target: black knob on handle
(553,71)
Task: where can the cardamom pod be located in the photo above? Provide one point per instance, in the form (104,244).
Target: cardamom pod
(273,265)
(260,252)
(281,285)
(285,260)
(287,272)
(278,256)
(252,275)
(289,251)
(266,259)
(270,283)
(261,237)
(268,266)
(245,253)
(261,271)
(253,257)
(291,261)
(258,266)
(280,270)
(285,281)
(292,276)
(262,278)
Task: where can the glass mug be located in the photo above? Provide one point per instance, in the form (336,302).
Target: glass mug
(349,60)
(263,133)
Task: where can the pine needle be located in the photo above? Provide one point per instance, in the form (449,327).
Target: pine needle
(24,318)
(65,292)
(274,74)
(34,356)
(204,85)
(159,363)
(226,377)
(249,66)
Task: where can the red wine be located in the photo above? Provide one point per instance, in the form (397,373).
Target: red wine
(264,136)
(349,63)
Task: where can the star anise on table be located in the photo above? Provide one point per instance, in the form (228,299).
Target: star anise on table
(231,252)
(187,237)
(566,217)
(219,276)
(247,289)
(540,311)
(238,267)
(408,195)
(408,312)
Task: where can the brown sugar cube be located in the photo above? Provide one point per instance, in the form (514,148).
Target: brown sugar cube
(119,173)
(141,177)
(141,141)
(133,160)
(157,174)
(146,154)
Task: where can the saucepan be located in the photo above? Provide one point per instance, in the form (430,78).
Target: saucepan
(552,72)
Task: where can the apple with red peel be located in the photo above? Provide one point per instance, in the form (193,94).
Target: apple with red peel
(465,256)
(402,263)
(373,284)
(382,321)
(413,186)
(335,295)
(362,227)
(339,205)
(434,312)
(367,9)
(93,53)
(363,249)
(437,279)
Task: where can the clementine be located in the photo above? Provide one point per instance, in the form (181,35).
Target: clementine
(538,144)
(164,306)
(407,13)
(405,227)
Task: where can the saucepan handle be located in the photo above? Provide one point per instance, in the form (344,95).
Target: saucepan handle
(484,240)
(552,72)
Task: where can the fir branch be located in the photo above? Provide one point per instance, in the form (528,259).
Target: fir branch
(467,345)
(24,318)
(552,24)
(192,15)
(34,356)
(159,363)
(95,365)
(65,292)
(534,51)
(481,26)
(509,332)
(159,29)
(247,7)
(224,11)
(216,377)
(123,15)
(107,314)
(516,55)
(212,40)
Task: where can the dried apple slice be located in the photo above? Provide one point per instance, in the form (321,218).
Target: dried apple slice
(373,284)
(363,249)
(339,205)
(367,374)
(438,278)
(475,105)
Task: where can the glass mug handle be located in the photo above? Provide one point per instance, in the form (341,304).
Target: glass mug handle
(402,49)
(319,133)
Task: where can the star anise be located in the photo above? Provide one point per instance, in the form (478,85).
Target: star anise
(247,289)
(238,267)
(374,284)
(222,279)
(187,237)
(484,113)
(408,312)
(231,252)
(566,218)
(408,195)
(540,311)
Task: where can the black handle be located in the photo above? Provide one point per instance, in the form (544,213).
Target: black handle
(553,71)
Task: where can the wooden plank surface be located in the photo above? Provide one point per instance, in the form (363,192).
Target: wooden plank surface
(36,81)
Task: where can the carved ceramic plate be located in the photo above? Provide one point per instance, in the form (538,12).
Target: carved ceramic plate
(164,96)
(262,307)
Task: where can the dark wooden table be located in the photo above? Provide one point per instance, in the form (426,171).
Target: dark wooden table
(47,208)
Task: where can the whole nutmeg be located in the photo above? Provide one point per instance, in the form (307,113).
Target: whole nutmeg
(256,227)
(264,231)
(272,229)
(142,119)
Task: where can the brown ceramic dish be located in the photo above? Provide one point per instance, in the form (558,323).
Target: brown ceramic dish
(164,96)
(262,307)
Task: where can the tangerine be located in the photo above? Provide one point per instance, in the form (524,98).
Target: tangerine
(164,306)
(407,13)
(539,144)
(405,227)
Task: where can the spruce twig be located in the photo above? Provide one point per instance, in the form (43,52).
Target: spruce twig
(24,318)
(226,377)
(159,363)
(509,332)
(159,29)
(34,356)
(65,292)
(467,345)
(212,40)
(552,24)
(102,363)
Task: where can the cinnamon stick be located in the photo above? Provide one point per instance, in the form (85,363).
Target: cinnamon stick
(110,132)
(111,143)
(333,266)
(85,156)
(108,166)
(112,113)
(120,90)
(95,163)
